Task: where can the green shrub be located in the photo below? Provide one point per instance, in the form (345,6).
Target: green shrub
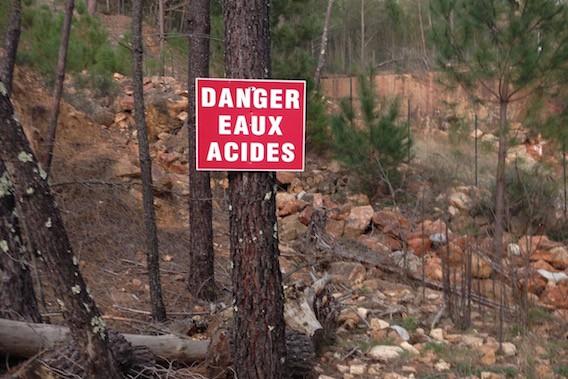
(374,149)
(89,47)
(531,198)
(317,133)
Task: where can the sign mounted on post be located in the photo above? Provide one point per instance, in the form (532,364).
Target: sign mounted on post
(250,125)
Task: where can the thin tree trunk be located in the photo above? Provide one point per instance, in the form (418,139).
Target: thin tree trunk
(92,7)
(162,37)
(201,281)
(11,42)
(47,238)
(17,297)
(500,207)
(422,34)
(323,47)
(152,253)
(362,33)
(500,184)
(259,349)
(60,78)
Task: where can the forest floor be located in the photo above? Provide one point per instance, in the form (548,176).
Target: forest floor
(389,326)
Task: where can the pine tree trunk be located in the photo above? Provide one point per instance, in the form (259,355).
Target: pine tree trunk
(162,37)
(362,64)
(500,188)
(258,331)
(201,256)
(500,184)
(17,297)
(152,253)
(59,79)
(46,235)
(321,60)
(11,42)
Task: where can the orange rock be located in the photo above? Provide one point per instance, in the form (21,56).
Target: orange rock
(306,215)
(541,264)
(541,255)
(556,295)
(388,240)
(335,227)
(535,243)
(431,227)
(420,245)
(455,255)
(433,268)
(387,217)
(339,213)
(285,177)
(559,257)
(536,282)
(358,220)
(373,243)
(125,103)
(480,267)
(292,207)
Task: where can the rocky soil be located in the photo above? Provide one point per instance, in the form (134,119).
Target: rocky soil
(389,326)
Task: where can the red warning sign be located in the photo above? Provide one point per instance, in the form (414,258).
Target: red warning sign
(250,125)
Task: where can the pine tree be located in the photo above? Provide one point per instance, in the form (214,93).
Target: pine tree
(17,297)
(374,150)
(59,79)
(11,41)
(201,256)
(259,349)
(152,252)
(500,51)
(46,235)
(507,48)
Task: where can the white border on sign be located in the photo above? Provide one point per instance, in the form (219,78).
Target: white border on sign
(197,168)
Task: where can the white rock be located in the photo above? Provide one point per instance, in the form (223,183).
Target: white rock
(472,341)
(554,277)
(358,369)
(411,349)
(401,332)
(442,365)
(437,334)
(438,238)
(342,368)
(509,349)
(385,353)
(513,249)
(362,312)
(378,324)
(325,377)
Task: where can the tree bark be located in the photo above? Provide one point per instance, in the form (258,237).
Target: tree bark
(152,253)
(59,79)
(92,7)
(258,330)
(362,33)
(17,297)
(162,36)
(201,256)
(11,42)
(47,238)
(500,188)
(323,48)
(500,184)
(23,339)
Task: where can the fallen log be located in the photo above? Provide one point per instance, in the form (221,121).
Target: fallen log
(24,339)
